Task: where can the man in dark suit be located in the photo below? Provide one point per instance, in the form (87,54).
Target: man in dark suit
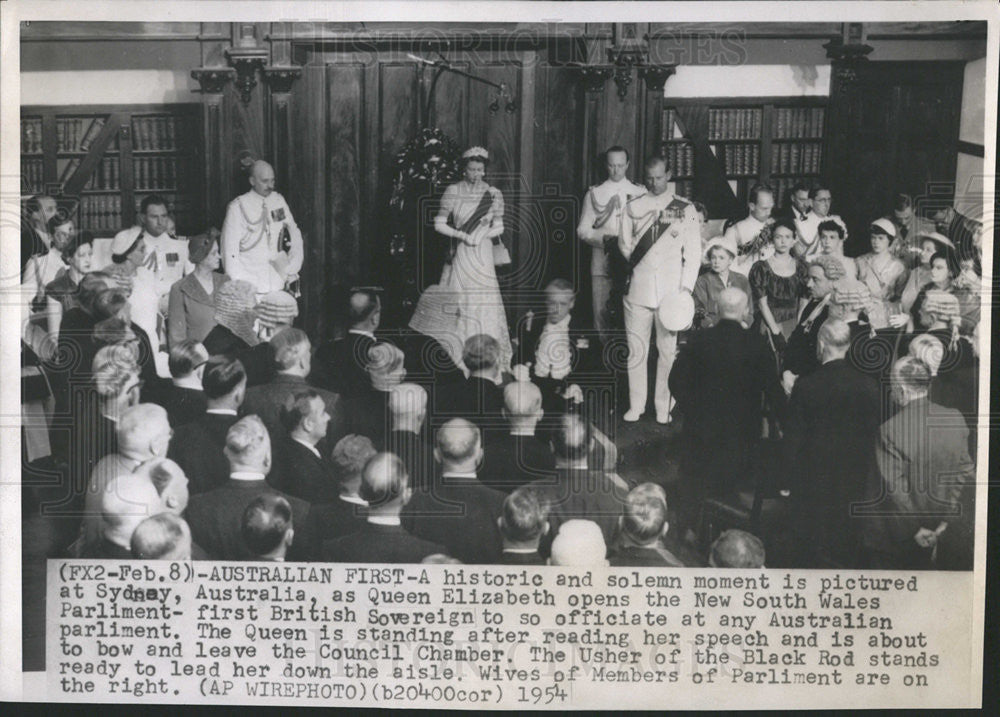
(185,398)
(579,492)
(367,411)
(292,362)
(382,538)
(800,354)
(830,432)
(303,471)
(458,511)
(267,528)
(216,517)
(642,526)
(479,398)
(720,379)
(558,349)
(197,447)
(407,439)
(346,513)
(522,525)
(922,497)
(341,366)
(516,456)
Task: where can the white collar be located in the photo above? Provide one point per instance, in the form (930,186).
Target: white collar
(455,474)
(246,475)
(522,432)
(221,411)
(361,332)
(188,382)
(353,499)
(521,551)
(561,325)
(310,447)
(384,519)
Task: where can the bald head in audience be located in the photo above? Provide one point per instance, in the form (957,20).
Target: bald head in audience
(164,536)
(645,518)
(266,527)
(385,485)
(127,500)
(364,311)
(736,549)
(522,406)
(248,446)
(143,432)
(833,340)
(579,544)
(571,443)
(733,304)
(458,447)
(407,407)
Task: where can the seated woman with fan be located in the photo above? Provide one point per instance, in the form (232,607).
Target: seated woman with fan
(466,301)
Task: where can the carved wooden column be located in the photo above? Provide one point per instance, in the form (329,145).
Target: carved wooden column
(280,80)
(594,78)
(651,106)
(213,82)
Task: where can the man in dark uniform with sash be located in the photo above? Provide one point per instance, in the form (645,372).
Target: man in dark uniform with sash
(661,240)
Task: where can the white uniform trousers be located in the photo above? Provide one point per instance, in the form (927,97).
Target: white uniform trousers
(639,322)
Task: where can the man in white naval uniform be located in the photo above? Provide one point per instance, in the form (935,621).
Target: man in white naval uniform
(261,243)
(600,221)
(806,223)
(166,257)
(746,231)
(661,239)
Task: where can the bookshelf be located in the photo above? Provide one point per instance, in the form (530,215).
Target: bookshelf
(737,142)
(104,160)
(678,151)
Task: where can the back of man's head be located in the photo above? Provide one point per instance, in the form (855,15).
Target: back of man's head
(525,517)
(248,445)
(170,482)
(834,339)
(127,500)
(579,544)
(164,536)
(362,308)
(296,408)
(522,400)
(733,304)
(645,517)
(384,483)
(350,456)
(114,374)
(290,348)
(458,443)
(481,353)
(737,549)
(571,441)
(224,379)
(185,357)
(407,403)
(143,431)
(266,526)
(385,365)
(912,375)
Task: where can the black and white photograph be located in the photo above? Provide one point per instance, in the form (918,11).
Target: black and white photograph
(542,352)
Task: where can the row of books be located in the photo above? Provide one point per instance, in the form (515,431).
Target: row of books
(154,133)
(668,126)
(680,157)
(76,134)
(798,122)
(32,176)
(31,135)
(741,158)
(106,175)
(100,211)
(795,158)
(684,188)
(734,123)
(156,172)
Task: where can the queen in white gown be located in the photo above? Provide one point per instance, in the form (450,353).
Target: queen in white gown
(467,300)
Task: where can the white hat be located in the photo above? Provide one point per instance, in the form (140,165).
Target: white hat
(727,243)
(939,238)
(123,244)
(886,226)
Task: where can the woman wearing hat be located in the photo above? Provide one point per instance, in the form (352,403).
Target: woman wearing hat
(61,292)
(920,276)
(192,305)
(719,255)
(779,286)
(942,269)
(884,275)
(471,217)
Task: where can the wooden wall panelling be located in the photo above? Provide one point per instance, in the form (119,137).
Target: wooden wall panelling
(308,196)
(619,120)
(449,109)
(526,270)
(244,131)
(345,160)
